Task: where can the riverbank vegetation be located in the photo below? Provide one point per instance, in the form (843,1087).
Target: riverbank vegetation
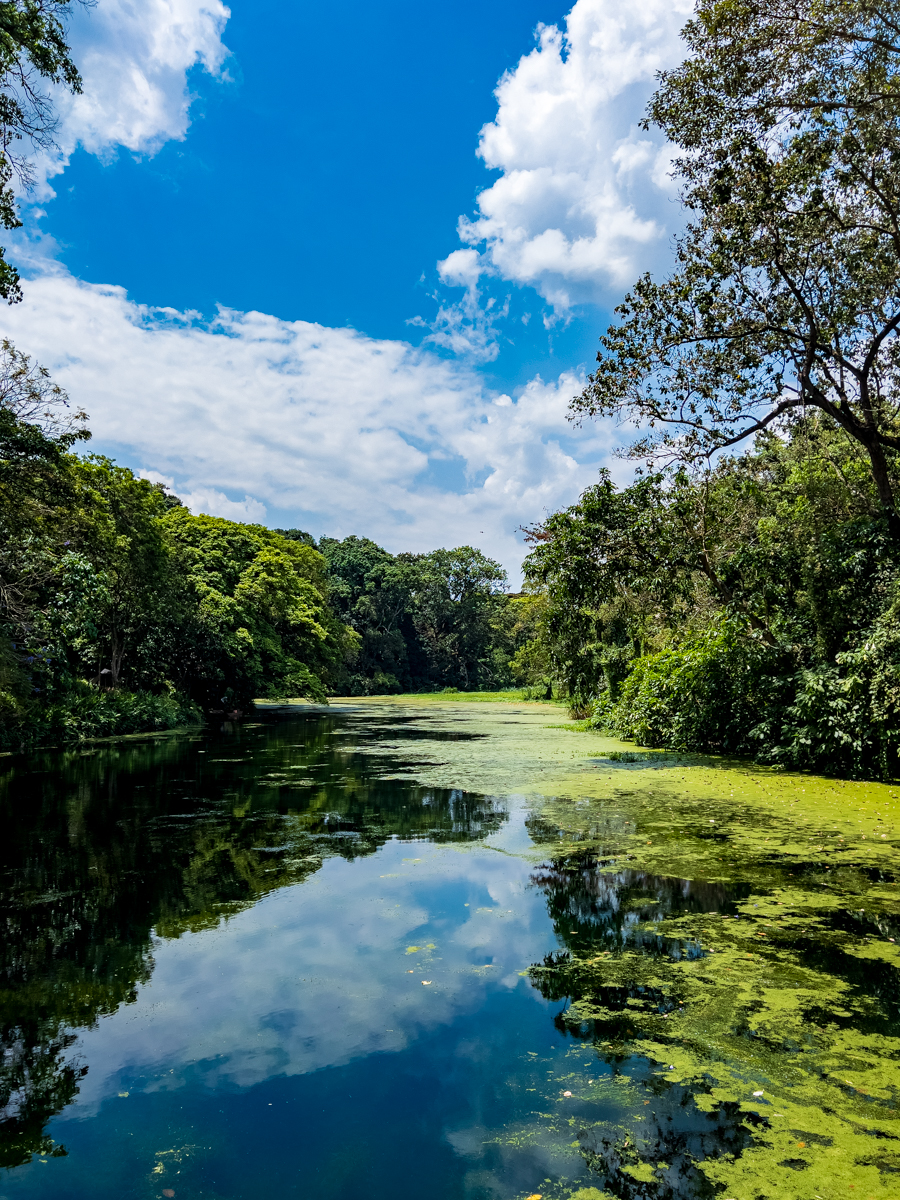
(749,604)
(751,609)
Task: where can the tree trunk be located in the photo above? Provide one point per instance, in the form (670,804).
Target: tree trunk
(115,663)
(882,478)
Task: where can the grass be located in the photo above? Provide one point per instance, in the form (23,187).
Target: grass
(507,696)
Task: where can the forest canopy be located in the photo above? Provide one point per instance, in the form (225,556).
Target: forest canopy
(121,610)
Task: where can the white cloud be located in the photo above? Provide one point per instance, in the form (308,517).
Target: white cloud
(344,433)
(134,57)
(211,501)
(584,202)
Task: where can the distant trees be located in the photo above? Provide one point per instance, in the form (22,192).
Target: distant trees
(425,620)
(257,620)
(455,599)
(370,591)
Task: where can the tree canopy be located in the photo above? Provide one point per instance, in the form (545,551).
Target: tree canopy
(122,610)
(785,296)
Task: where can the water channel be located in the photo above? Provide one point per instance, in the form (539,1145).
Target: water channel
(397,950)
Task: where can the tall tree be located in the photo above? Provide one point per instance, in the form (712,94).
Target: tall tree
(787,290)
(371,591)
(456,596)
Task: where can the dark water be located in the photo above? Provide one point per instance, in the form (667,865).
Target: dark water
(247,964)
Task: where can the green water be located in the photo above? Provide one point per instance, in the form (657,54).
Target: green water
(454,950)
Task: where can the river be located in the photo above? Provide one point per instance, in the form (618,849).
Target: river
(422,948)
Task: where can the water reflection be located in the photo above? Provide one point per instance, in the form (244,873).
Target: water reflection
(265,962)
(101,848)
(760,1004)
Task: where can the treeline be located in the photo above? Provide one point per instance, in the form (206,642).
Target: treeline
(426,622)
(751,608)
(123,611)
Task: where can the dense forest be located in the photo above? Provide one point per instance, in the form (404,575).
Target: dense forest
(753,609)
(123,611)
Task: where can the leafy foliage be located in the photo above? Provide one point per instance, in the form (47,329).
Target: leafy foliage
(120,609)
(257,623)
(425,621)
(706,694)
(33,48)
(785,297)
(751,608)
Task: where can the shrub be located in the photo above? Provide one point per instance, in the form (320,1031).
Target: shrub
(845,715)
(86,713)
(724,692)
(710,693)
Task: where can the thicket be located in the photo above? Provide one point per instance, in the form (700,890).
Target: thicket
(750,609)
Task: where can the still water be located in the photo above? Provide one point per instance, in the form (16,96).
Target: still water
(397,951)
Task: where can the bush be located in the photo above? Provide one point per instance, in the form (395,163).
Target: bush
(710,694)
(88,713)
(724,692)
(844,716)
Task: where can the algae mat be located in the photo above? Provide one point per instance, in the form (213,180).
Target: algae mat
(776,1001)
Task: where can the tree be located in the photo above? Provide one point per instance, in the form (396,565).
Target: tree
(455,598)
(371,591)
(117,587)
(33,48)
(258,622)
(786,295)
(38,490)
(526,644)
(28,394)
(752,609)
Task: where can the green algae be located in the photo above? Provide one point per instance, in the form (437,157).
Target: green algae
(777,1008)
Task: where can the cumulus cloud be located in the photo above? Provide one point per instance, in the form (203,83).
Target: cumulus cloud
(210,500)
(341,432)
(134,59)
(584,201)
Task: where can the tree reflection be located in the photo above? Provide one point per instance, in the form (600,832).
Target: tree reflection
(103,849)
(600,915)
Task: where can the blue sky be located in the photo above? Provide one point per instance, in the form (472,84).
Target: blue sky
(246,258)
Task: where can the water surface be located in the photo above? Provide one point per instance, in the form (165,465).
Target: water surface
(398,950)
